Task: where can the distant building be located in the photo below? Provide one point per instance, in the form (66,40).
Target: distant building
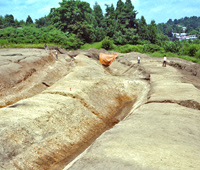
(183,36)
(193,37)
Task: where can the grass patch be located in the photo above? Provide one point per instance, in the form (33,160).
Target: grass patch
(128,48)
(96,45)
(161,54)
(169,54)
(28,45)
(189,58)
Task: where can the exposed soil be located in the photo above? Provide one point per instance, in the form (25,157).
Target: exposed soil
(54,109)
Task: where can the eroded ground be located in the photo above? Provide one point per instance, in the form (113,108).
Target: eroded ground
(163,133)
(52,110)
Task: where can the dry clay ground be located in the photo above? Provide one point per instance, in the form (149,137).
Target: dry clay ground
(51,111)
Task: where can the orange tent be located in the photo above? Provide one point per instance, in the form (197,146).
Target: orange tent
(106,59)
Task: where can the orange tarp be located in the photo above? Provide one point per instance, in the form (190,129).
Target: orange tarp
(106,59)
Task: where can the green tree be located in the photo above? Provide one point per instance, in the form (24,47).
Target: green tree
(1,21)
(128,37)
(43,22)
(99,34)
(152,32)
(84,31)
(161,37)
(9,21)
(142,28)
(98,14)
(188,29)
(69,13)
(126,16)
(29,20)
(170,22)
(119,8)
(173,47)
(110,24)
(130,14)
(22,23)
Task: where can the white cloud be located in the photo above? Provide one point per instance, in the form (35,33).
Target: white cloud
(45,9)
(157,9)
(33,1)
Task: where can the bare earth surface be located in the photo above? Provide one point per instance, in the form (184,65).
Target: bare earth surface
(128,116)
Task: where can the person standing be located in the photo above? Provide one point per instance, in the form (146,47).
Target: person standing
(164,61)
(45,47)
(56,54)
(138,58)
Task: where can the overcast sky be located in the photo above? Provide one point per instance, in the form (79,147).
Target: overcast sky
(158,10)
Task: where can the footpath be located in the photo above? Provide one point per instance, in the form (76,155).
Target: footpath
(161,134)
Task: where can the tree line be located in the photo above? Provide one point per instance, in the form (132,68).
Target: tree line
(91,25)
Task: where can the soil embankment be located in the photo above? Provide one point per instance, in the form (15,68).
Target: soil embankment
(52,110)
(62,106)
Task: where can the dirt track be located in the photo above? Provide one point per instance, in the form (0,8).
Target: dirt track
(68,104)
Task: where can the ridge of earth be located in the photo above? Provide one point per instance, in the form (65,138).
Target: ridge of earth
(52,110)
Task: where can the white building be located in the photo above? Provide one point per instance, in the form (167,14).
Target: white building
(183,36)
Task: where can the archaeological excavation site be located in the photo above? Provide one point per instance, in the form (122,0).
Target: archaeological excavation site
(75,113)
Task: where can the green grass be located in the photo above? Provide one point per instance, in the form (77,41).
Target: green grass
(128,48)
(27,45)
(169,54)
(192,59)
(96,45)
(161,54)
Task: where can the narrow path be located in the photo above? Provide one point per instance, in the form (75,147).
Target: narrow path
(160,134)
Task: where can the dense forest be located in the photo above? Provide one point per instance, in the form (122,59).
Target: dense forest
(75,23)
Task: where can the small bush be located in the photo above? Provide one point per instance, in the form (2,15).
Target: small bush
(3,41)
(190,50)
(72,42)
(170,46)
(151,48)
(197,55)
(107,43)
(193,49)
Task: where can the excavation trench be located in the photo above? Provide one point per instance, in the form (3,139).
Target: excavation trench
(50,115)
(121,113)
(73,107)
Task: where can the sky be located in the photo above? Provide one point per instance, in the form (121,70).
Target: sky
(159,10)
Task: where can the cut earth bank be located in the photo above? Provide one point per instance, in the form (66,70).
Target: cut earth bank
(66,105)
